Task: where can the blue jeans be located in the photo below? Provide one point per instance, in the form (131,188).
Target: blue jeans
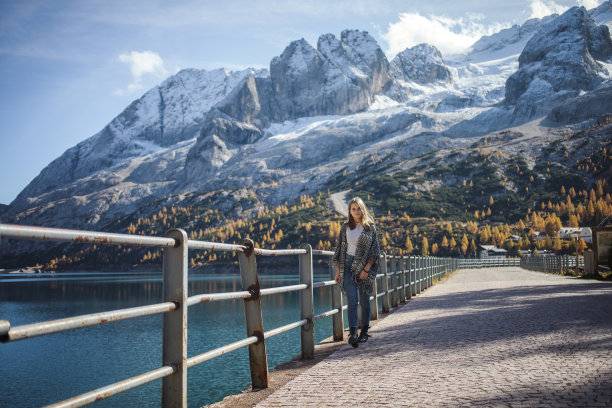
(353,294)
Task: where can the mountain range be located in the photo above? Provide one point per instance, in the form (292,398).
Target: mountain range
(265,137)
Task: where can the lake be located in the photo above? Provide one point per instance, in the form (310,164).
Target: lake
(48,369)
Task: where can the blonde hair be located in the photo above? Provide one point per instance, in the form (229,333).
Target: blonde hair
(366,220)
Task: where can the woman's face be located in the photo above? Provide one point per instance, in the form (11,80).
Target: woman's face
(356,212)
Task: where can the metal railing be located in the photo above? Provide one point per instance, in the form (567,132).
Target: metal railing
(401,278)
(471,263)
(552,263)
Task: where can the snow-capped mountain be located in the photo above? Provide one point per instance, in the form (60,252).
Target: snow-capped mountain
(285,132)
(167,114)
(558,62)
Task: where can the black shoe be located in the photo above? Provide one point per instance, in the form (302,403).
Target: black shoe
(363,337)
(353,340)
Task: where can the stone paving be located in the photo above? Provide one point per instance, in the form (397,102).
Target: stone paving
(485,337)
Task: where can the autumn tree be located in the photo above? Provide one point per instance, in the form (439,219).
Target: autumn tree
(425,247)
(409,246)
(444,242)
(582,246)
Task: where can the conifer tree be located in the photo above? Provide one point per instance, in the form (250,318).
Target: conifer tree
(425,247)
(409,246)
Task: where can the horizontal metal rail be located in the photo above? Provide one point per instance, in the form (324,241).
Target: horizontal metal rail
(116,388)
(78,322)
(214,297)
(488,262)
(282,289)
(321,252)
(285,328)
(277,252)
(209,355)
(215,246)
(90,237)
(326,314)
(323,284)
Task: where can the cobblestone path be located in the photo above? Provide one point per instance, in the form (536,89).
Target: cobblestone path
(485,337)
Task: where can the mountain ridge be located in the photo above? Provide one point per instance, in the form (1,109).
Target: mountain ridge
(236,135)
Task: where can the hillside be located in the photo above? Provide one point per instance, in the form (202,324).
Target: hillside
(441,203)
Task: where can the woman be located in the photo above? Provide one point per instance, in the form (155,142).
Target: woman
(356,259)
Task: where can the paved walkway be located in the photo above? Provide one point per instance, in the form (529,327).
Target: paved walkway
(485,337)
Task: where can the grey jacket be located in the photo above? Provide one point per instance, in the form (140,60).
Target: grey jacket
(368,249)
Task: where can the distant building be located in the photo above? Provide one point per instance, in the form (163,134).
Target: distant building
(587,235)
(576,233)
(539,236)
(569,233)
(491,251)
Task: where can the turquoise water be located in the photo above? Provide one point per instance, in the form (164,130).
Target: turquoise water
(48,369)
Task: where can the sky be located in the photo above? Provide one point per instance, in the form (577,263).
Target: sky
(68,67)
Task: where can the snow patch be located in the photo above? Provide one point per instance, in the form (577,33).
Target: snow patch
(382,102)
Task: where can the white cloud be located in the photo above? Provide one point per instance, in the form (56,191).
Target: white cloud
(450,36)
(589,4)
(141,64)
(542,8)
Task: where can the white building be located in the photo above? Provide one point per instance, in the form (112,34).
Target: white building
(587,235)
(576,233)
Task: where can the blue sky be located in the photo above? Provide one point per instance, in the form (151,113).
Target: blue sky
(68,67)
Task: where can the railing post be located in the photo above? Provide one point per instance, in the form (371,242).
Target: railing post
(307,303)
(374,302)
(402,280)
(174,323)
(395,293)
(252,311)
(424,275)
(433,271)
(427,271)
(385,285)
(428,261)
(338,318)
(410,270)
(417,276)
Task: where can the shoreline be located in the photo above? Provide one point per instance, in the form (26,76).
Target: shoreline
(265,267)
(26,270)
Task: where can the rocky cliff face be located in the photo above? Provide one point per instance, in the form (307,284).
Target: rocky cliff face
(584,107)
(340,77)
(422,64)
(558,62)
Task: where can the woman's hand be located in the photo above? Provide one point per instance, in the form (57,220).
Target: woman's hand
(337,277)
(363,274)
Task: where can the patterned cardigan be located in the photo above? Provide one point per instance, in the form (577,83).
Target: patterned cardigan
(368,249)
